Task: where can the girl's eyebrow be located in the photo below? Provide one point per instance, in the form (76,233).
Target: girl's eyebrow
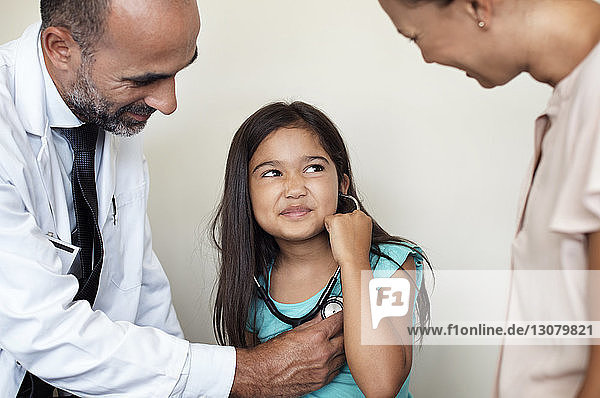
(272,163)
(311,158)
(276,163)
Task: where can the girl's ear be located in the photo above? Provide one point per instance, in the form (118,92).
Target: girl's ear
(345,184)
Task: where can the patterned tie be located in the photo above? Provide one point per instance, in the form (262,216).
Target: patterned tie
(85,200)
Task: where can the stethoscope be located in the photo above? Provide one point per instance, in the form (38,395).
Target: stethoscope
(327,304)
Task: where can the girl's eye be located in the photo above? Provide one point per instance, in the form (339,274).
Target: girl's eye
(313,168)
(271,173)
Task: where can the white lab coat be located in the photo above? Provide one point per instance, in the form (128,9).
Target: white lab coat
(104,351)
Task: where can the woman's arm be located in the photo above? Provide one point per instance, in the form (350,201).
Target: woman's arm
(591,384)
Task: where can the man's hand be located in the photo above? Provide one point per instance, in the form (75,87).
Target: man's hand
(294,363)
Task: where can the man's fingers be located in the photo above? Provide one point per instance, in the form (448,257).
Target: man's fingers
(333,324)
(338,361)
(335,366)
(337,344)
(316,319)
(331,377)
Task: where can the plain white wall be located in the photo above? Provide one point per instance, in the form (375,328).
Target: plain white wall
(437,158)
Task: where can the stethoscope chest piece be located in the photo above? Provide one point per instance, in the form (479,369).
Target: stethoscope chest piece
(332,306)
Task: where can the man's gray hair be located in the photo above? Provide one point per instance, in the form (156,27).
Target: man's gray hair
(85,19)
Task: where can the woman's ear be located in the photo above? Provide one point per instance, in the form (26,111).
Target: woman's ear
(480,11)
(344,184)
(61,51)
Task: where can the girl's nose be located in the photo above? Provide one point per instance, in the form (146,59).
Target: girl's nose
(295,187)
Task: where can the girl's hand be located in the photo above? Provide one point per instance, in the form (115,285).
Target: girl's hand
(350,237)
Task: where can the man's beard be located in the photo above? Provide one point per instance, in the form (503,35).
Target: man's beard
(86,102)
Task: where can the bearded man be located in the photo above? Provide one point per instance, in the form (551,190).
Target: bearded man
(85,306)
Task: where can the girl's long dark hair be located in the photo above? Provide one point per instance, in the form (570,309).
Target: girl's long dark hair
(244,248)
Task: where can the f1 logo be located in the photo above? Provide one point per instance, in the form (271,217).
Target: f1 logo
(388,297)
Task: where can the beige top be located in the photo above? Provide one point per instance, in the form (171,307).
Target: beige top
(559,205)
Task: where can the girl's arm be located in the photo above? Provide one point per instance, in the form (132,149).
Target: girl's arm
(379,370)
(591,384)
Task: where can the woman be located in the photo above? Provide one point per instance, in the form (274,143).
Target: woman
(557,43)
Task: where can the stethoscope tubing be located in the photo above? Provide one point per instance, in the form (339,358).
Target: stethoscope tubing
(322,299)
(293,322)
(325,296)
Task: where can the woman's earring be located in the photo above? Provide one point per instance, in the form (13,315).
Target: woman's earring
(481,24)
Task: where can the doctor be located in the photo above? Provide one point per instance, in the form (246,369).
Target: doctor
(84,303)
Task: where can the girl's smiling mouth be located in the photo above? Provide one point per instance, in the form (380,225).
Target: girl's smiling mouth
(295,211)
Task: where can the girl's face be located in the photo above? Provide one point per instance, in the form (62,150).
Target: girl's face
(293,184)
(449,35)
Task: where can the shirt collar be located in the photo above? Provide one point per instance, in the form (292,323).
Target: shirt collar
(567,87)
(59,114)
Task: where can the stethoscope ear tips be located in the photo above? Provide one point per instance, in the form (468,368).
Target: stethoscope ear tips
(352,198)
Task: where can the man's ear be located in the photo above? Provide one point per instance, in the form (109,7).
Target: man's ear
(481,11)
(60,49)
(345,184)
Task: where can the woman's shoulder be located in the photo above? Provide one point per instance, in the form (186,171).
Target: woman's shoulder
(584,81)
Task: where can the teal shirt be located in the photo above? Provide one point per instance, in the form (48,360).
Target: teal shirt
(268,326)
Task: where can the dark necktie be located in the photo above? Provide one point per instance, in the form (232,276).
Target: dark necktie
(85,201)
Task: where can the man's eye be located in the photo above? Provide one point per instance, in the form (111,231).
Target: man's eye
(271,173)
(140,83)
(313,168)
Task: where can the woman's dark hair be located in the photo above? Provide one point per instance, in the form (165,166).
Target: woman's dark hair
(245,249)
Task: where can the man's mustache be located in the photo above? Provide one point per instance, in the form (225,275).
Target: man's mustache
(138,109)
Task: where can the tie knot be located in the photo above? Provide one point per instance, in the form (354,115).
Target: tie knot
(82,138)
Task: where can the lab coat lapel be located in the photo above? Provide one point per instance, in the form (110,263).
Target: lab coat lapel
(51,178)
(30,102)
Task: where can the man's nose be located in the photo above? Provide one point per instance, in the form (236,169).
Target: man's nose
(163,97)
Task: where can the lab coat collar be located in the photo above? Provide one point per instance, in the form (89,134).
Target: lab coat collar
(29,79)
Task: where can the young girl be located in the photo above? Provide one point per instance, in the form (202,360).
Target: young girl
(278,227)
